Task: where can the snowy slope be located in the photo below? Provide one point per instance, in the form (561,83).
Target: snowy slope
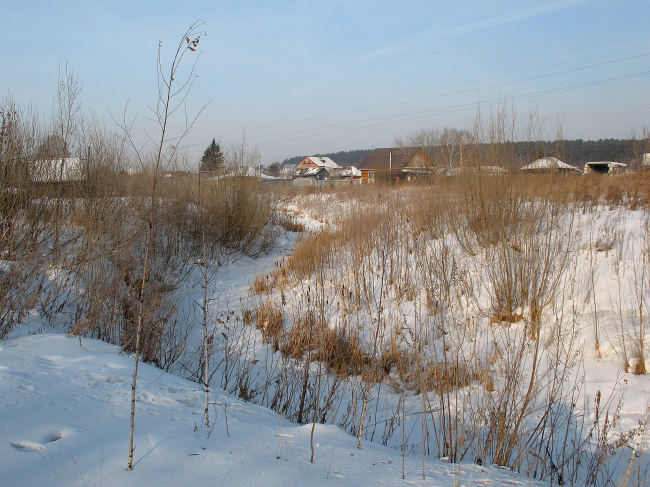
(65,418)
(64,404)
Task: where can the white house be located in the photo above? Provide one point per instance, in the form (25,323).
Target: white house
(58,170)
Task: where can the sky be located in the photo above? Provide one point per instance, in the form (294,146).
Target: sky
(297,78)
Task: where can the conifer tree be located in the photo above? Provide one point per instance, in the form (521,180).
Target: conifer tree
(212,159)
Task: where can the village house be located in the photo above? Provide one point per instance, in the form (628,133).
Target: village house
(66,169)
(314,168)
(392,160)
(173,175)
(645,160)
(317,161)
(549,165)
(605,167)
(472,170)
(317,172)
(348,173)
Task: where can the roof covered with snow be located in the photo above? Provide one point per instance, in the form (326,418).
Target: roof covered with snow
(549,164)
(242,172)
(323,162)
(348,172)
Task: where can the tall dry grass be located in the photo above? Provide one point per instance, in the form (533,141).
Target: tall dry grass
(401,281)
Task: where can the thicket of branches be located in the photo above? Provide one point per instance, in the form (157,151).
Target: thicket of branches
(436,318)
(72,246)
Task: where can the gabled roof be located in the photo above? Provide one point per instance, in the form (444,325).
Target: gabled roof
(323,162)
(549,164)
(395,158)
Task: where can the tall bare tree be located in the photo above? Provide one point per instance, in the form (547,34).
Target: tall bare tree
(170,100)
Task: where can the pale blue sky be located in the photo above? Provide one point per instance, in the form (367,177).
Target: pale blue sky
(303,77)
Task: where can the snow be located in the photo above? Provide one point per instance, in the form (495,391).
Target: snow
(65,421)
(549,163)
(324,162)
(65,401)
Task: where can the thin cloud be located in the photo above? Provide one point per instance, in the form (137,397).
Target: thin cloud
(431,35)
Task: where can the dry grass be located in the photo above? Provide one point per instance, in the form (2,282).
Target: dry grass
(398,247)
(268,319)
(289,221)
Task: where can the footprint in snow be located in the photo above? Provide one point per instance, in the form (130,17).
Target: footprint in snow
(26,446)
(54,435)
(110,379)
(30,446)
(115,366)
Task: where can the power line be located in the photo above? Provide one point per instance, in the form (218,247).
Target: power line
(441,111)
(443,95)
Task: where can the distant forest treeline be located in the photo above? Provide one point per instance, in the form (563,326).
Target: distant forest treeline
(575,152)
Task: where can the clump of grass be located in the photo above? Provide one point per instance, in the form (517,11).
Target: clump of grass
(310,252)
(263,284)
(341,352)
(289,221)
(268,319)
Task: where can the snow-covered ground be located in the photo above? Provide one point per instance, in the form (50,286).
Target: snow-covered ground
(65,419)
(65,401)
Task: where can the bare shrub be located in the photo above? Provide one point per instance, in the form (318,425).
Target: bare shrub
(527,243)
(24,229)
(288,222)
(21,289)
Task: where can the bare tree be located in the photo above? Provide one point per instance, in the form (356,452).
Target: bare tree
(170,100)
(445,147)
(641,146)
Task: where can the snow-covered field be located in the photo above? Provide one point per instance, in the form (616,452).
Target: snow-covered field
(65,401)
(65,416)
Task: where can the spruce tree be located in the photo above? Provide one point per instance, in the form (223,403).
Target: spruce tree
(212,159)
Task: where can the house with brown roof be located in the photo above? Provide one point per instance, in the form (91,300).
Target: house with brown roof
(392,160)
